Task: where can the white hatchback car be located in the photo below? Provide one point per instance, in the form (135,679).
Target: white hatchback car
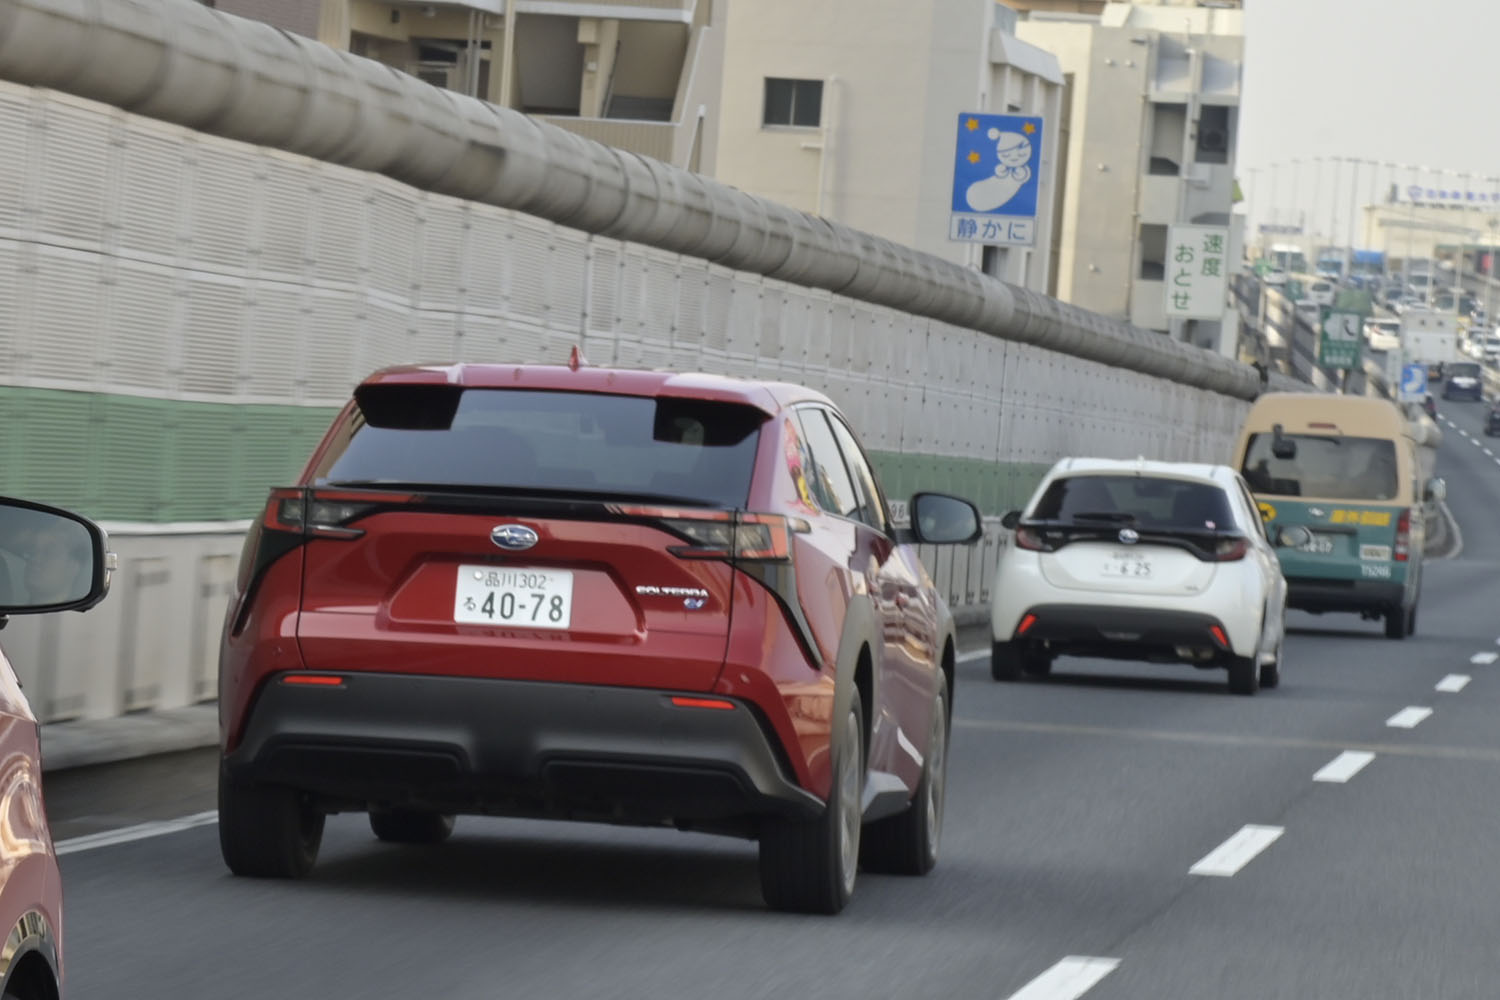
(1141,560)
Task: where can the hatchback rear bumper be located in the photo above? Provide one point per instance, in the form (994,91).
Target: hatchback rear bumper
(1121,632)
(522,748)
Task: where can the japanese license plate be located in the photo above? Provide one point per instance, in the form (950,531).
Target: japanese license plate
(1321,545)
(1127,565)
(513,596)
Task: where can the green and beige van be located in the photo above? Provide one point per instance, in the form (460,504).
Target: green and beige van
(1349,470)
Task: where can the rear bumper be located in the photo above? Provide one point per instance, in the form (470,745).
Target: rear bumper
(1306,594)
(479,746)
(1121,632)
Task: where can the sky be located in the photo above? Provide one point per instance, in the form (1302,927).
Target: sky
(1413,82)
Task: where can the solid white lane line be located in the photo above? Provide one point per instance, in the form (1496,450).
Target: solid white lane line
(1345,766)
(1237,852)
(1453,683)
(974,655)
(1488,453)
(143,831)
(1484,657)
(1067,980)
(1408,717)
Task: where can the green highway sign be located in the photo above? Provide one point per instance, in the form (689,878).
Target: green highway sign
(1341,339)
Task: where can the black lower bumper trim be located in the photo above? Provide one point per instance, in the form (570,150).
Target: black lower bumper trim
(478,746)
(1128,633)
(1309,594)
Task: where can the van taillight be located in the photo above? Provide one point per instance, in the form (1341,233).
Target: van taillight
(1403,535)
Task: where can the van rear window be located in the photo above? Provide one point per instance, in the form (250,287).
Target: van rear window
(1330,468)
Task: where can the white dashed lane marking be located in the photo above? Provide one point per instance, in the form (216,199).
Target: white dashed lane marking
(1237,852)
(1067,980)
(1453,683)
(1343,767)
(1484,657)
(1408,717)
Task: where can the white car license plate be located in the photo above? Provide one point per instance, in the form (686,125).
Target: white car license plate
(1127,565)
(515,596)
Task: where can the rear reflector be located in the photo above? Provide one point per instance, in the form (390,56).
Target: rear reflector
(313,680)
(1219,636)
(1026,624)
(718,703)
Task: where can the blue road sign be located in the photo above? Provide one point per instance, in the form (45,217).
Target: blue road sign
(1413,383)
(997,168)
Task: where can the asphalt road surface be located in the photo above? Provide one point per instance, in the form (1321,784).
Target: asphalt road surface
(1117,831)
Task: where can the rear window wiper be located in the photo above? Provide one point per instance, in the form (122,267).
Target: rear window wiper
(1111,516)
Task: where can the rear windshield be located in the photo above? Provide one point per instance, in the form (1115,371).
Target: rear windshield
(688,450)
(1334,468)
(1463,369)
(1139,501)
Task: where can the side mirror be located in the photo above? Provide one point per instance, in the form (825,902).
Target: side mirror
(1282,447)
(1293,536)
(939,519)
(1011,519)
(1436,490)
(50,559)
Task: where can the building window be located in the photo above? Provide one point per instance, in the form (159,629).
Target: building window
(793,102)
(1153,245)
(1168,129)
(1213,134)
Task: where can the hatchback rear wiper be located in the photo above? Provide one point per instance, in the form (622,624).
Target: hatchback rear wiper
(1113,516)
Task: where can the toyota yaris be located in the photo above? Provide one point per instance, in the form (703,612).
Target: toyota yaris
(576,593)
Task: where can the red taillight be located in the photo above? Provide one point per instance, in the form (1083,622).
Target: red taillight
(324,513)
(313,680)
(1026,624)
(1231,550)
(722,534)
(1403,535)
(715,703)
(1030,540)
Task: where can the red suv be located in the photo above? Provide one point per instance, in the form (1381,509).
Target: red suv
(50,560)
(578,593)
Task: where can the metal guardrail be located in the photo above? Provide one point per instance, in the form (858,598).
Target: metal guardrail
(183,62)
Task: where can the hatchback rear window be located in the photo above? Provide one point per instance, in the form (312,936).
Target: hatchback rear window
(1329,467)
(685,450)
(1150,502)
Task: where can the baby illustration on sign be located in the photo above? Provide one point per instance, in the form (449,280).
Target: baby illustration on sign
(1011,174)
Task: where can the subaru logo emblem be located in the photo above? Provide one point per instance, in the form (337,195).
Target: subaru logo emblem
(1129,536)
(514,537)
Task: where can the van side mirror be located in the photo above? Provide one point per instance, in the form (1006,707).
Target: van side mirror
(1436,490)
(1010,520)
(1282,446)
(939,519)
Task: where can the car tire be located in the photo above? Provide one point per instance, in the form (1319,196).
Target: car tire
(907,843)
(810,866)
(410,826)
(267,831)
(1399,622)
(1270,673)
(1244,675)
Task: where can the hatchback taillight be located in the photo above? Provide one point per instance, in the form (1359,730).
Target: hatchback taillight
(1230,549)
(1403,536)
(1031,540)
(732,536)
